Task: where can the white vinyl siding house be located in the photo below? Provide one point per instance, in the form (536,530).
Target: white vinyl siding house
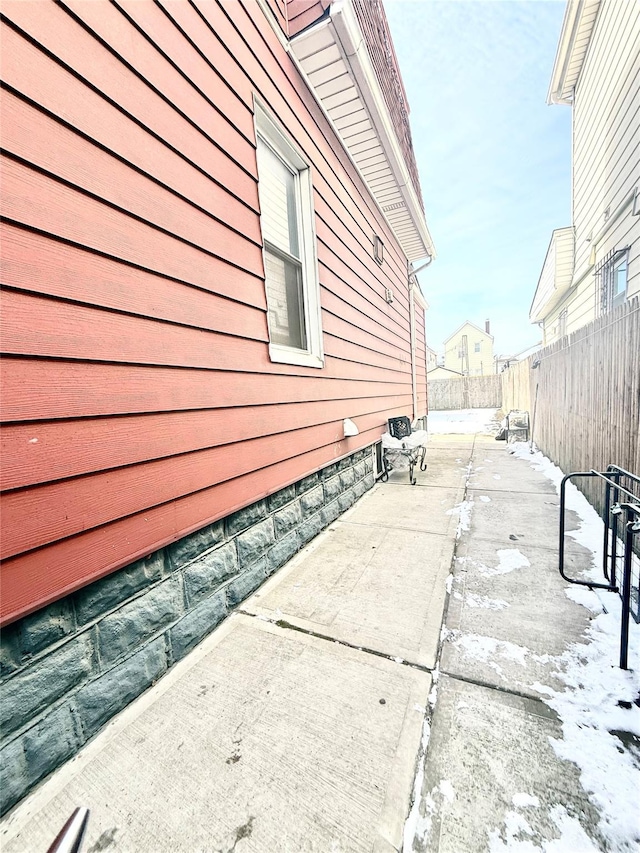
(597,72)
(469,350)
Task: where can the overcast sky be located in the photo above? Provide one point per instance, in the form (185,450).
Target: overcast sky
(494,159)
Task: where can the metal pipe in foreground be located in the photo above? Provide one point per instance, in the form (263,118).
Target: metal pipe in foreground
(632,526)
(70,837)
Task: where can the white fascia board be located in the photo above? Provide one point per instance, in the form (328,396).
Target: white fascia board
(347,29)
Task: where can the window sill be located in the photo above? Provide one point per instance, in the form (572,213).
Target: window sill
(288,355)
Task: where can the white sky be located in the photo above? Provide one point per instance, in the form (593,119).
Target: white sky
(494,159)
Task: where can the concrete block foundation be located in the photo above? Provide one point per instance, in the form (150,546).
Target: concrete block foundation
(67,669)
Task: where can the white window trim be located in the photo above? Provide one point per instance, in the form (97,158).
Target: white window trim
(313,356)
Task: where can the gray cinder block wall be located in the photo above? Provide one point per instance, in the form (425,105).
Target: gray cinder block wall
(68,668)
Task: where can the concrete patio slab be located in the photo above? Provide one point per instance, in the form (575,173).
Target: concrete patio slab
(409,508)
(446,467)
(490,767)
(533,518)
(508,627)
(373,587)
(262,739)
(498,474)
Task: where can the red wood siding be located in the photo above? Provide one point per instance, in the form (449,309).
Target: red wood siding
(302,13)
(139,402)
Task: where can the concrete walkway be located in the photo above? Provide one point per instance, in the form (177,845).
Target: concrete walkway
(300,723)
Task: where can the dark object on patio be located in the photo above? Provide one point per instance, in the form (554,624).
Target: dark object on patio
(399,427)
(517,425)
(402,445)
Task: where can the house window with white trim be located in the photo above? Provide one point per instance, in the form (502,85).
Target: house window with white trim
(611,278)
(291,276)
(562,323)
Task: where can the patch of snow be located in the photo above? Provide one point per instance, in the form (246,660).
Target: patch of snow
(573,838)
(417,826)
(447,790)
(449,583)
(398,660)
(586,597)
(509,559)
(462,422)
(463,510)
(522,801)
(484,498)
(483,648)
(473,600)
(497,477)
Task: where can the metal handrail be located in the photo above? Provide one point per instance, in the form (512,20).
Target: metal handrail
(631,512)
(591,584)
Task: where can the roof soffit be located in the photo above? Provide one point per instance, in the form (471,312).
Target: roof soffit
(556,276)
(333,56)
(575,36)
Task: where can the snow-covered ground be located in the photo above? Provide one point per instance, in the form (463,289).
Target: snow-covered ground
(463,421)
(597,707)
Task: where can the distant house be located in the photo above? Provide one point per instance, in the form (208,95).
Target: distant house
(469,350)
(210,214)
(442,373)
(432,359)
(502,362)
(593,265)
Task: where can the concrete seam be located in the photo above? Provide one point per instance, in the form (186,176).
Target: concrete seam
(509,691)
(282,623)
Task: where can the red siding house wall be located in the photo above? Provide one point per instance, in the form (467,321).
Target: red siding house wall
(162,452)
(139,402)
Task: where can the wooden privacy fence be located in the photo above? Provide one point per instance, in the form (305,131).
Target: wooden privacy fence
(465,392)
(588,396)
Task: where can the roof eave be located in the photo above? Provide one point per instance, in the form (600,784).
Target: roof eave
(345,29)
(576,26)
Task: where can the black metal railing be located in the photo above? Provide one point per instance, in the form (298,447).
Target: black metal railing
(621,526)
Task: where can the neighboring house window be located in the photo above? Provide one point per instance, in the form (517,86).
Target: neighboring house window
(476,348)
(562,323)
(611,279)
(291,277)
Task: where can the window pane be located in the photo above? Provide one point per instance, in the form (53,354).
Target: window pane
(620,278)
(277,190)
(285,301)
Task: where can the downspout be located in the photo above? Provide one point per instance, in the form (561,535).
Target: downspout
(413,284)
(412,328)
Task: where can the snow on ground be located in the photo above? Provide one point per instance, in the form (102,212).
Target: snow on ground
(600,720)
(463,421)
(463,511)
(509,559)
